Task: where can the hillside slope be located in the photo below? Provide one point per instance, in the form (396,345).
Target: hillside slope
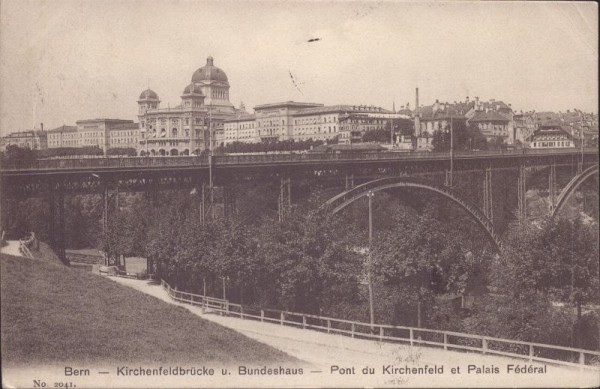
(52,314)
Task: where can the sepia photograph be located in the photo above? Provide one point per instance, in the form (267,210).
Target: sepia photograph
(302,194)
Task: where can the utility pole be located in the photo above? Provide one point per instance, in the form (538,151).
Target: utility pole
(370,260)
(581,135)
(210,162)
(451,151)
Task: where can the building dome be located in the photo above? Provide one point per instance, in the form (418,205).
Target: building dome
(192,89)
(209,72)
(148,94)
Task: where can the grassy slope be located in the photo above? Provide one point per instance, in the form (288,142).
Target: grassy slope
(52,314)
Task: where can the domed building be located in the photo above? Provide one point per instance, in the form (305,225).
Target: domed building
(185,128)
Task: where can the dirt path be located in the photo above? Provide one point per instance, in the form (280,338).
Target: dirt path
(326,350)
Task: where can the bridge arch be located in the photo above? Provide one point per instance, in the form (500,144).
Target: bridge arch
(341,201)
(572,186)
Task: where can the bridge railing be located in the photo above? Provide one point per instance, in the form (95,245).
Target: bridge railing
(224,160)
(447,340)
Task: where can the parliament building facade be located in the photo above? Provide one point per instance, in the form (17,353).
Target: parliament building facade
(185,129)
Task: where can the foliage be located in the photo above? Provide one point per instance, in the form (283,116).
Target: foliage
(379,136)
(545,263)
(464,137)
(557,257)
(425,258)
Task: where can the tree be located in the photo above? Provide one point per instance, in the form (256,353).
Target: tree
(465,137)
(379,136)
(557,257)
(425,258)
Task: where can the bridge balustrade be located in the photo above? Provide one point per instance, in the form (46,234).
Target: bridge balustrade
(166,161)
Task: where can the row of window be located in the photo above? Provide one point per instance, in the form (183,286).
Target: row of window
(553,144)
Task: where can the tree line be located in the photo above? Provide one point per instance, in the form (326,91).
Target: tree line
(426,257)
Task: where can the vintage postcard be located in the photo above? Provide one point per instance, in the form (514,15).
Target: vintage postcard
(205,194)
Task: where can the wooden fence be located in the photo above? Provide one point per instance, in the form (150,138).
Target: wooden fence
(447,340)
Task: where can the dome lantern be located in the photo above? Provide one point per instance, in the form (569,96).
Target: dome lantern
(208,73)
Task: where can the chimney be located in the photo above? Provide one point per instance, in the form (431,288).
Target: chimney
(467,99)
(417,98)
(42,126)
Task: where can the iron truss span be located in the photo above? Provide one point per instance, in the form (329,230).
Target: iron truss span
(341,201)
(572,186)
(98,164)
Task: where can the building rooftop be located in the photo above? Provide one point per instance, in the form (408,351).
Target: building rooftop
(287,104)
(489,116)
(546,131)
(341,108)
(63,129)
(105,120)
(25,134)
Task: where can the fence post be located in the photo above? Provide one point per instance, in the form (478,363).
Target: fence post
(411,335)
(381,333)
(445,341)
(581,360)
(328,326)
(227,307)
(203,304)
(484,345)
(262,315)
(303,321)
(353,330)
(241,311)
(530,353)
(281,318)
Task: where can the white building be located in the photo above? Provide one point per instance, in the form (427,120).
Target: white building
(186,128)
(303,121)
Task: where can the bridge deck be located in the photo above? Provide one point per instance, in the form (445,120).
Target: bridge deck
(99,164)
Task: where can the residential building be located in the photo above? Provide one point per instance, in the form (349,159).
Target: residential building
(63,136)
(524,124)
(31,139)
(550,136)
(124,135)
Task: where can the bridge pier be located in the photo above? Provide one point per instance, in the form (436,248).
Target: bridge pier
(522,195)
(552,188)
(229,201)
(488,204)
(285,197)
(349,181)
(56,220)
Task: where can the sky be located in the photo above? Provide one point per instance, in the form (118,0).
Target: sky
(66,60)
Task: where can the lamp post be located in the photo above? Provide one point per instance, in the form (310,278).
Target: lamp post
(370,195)
(451,151)
(224,293)
(581,132)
